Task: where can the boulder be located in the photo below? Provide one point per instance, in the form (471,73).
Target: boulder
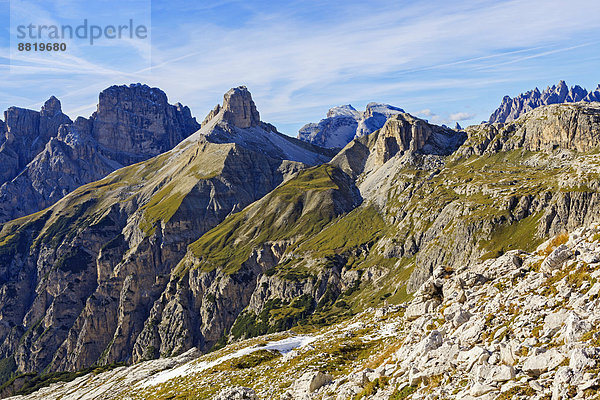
(556,259)
(311,381)
(538,364)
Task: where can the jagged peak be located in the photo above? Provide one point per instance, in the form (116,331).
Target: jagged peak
(343,110)
(51,107)
(239,108)
(511,109)
(383,107)
(138,91)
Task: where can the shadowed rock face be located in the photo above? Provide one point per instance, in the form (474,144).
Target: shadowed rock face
(133,123)
(512,108)
(53,156)
(25,133)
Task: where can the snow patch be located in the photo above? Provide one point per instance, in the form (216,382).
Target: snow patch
(283,346)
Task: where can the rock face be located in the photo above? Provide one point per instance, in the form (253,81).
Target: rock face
(239,109)
(344,123)
(25,133)
(238,121)
(512,108)
(132,123)
(136,122)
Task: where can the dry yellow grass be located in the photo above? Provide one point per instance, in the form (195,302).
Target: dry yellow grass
(559,239)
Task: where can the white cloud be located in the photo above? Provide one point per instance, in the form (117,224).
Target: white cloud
(426,112)
(461,116)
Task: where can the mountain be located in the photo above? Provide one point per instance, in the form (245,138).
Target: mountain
(247,244)
(522,325)
(24,133)
(55,155)
(512,109)
(238,121)
(344,123)
(420,261)
(80,280)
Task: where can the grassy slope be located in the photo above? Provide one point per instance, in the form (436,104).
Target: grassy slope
(159,184)
(298,208)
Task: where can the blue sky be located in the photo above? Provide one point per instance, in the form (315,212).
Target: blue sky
(440,60)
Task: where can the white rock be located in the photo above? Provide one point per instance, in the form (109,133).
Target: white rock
(553,322)
(535,386)
(359,378)
(311,381)
(470,357)
(537,364)
(561,382)
(507,353)
(479,389)
(470,332)
(419,308)
(556,259)
(495,373)
(574,328)
(579,360)
(460,318)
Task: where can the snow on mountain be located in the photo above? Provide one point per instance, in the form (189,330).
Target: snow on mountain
(344,123)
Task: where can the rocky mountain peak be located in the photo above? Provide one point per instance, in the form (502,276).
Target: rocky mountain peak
(345,110)
(512,108)
(51,107)
(239,108)
(344,123)
(135,122)
(45,155)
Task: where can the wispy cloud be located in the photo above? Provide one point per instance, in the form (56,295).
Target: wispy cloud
(433,56)
(461,116)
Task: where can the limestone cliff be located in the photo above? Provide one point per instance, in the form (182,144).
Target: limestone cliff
(132,123)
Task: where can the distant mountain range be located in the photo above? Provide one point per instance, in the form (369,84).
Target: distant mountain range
(512,108)
(345,123)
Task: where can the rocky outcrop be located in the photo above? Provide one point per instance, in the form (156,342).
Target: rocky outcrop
(25,133)
(345,123)
(239,109)
(401,134)
(512,108)
(405,133)
(132,123)
(238,121)
(571,127)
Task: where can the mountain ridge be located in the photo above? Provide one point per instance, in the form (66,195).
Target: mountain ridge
(131,124)
(512,108)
